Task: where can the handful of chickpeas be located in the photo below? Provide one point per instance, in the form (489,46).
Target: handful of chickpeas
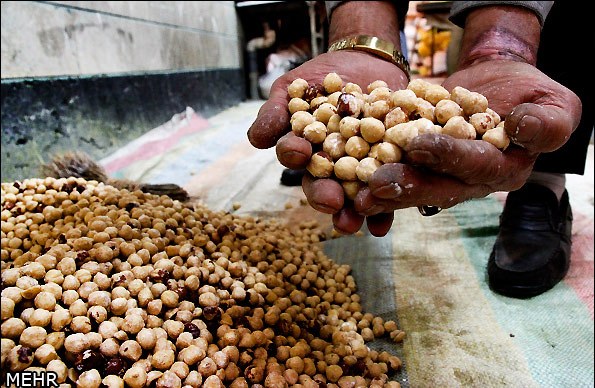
(353,133)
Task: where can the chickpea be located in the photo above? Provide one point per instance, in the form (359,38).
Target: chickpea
(425,109)
(345,168)
(349,126)
(419,87)
(297,104)
(107,329)
(119,306)
(13,293)
(56,339)
(379,93)
(295,363)
(97,314)
(333,123)
(53,289)
(133,323)
(482,122)
(388,153)
(334,145)
(371,129)
(154,307)
(59,367)
(146,338)
(497,136)
(315,132)
(405,99)
(81,324)
(258,282)
(173,328)
(299,120)
(113,381)
(351,188)
(99,298)
(376,85)
(458,128)
(76,343)
(495,116)
(33,337)
(135,377)
(446,109)
(40,317)
(110,347)
(94,340)
(366,167)
(45,353)
(193,354)
(5,347)
(131,350)
(317,102)
(351,87)
(401,134)
(297,88)
(78,308)
(163,359)
(53,276)
(348,104)
(181,369)
(7,306)
(70,283)
(324,112)
(320,165)
(67,266)
(29,285)
(35,270)
(471,102)
(332,83)
(20,357)
(357,147)
(435,93)
(207,367)
(10,275)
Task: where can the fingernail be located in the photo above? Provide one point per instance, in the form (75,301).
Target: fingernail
(422,157)
(323,208)
(294,158)
(527,128)
(390,191)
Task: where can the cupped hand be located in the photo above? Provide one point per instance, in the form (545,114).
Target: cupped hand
(271,128)
(540,114)
(272,121)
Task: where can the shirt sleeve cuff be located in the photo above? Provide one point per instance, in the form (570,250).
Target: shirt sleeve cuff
(459,9)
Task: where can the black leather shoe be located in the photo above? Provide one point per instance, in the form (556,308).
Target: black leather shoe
(532,250)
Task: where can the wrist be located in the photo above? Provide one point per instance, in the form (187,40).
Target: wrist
(374,18)
(375,46)
(500,33)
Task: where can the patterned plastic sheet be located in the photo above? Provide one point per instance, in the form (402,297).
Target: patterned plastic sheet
(428,274)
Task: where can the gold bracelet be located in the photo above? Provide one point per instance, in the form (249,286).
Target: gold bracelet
(371,44)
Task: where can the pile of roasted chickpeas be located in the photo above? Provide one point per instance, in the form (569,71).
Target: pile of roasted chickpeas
(115,288)
(353,133)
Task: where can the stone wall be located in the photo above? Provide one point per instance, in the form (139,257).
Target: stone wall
(94,75)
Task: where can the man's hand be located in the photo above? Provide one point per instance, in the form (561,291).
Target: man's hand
(272,128)
(540,116)
(497,59)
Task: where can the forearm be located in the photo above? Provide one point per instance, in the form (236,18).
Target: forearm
(500,32)
(376,18)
